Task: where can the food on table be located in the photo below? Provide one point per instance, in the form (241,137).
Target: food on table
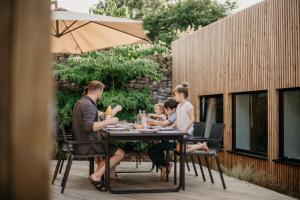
(108,112)
(137,126)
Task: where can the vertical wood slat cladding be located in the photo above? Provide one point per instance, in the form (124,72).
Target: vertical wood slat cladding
(255,49)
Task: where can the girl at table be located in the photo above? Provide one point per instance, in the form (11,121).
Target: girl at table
(159,114)
(186,117)
(170,109)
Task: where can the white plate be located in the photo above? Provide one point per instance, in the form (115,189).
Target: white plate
(166,129)
(110,126)
(148,130)
(116,129)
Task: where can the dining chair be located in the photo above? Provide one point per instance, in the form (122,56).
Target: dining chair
(214,142)
(71,145)
(198,133)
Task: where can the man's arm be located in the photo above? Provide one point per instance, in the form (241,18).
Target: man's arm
(88,117)
(101,114)
(100,125)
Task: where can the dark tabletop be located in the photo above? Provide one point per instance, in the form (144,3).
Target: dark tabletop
(136,133)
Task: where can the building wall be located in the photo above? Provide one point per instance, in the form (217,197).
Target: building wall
(255,49)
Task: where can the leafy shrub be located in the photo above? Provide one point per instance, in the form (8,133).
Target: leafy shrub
(115,68)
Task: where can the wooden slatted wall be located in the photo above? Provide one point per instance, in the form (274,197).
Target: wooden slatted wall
(255,49)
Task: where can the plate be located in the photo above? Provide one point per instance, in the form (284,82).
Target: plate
(110,126)
(148,130)
(166,129)
(116,129)
(155,127)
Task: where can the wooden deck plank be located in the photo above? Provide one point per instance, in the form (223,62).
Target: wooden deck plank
(78,186)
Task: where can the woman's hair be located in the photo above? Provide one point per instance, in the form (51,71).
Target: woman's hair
(182,89)
(160,106)
(171,103)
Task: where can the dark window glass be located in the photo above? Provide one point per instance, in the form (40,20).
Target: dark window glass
(250,118)
(290,124)
(211,111)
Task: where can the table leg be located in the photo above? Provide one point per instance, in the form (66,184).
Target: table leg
(181,173)
(183,165)
(107,168)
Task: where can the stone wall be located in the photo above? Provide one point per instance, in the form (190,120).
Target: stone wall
(160,90)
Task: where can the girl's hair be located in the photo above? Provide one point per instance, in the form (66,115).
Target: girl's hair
(171,103)
(161,107)
(183,88)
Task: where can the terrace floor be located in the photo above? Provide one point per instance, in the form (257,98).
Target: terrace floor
(78,186)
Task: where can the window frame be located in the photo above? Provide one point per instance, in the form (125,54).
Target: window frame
(281,126)
(210,96)
(243,151)
(200,110)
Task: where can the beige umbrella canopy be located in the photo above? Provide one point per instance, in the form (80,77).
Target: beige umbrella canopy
(78,32)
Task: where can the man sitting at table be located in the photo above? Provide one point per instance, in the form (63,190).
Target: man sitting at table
(86,126)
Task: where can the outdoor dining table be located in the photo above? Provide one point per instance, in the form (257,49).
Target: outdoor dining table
(130,135)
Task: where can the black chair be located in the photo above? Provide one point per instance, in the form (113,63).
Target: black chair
(214,142)
(61,152)
(72,155)
(198,133)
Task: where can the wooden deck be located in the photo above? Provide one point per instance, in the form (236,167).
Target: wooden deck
(78,186)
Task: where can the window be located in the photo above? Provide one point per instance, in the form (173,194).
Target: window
(250,123)
(290,124)
(211,111)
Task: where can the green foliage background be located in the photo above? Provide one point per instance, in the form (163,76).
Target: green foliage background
(115,68)
(163,20)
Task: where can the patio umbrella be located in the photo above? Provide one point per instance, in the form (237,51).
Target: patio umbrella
(79,32)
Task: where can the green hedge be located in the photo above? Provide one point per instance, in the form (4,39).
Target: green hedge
(115,68)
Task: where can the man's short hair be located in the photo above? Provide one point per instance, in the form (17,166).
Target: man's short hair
(95,85)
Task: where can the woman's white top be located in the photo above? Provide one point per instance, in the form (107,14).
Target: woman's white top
(183,117)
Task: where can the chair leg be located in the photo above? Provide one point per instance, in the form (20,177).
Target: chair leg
(201,168)
(61,166)
(56,170)
(92,166)
(187,163)
(136,161)
(209,171)
(153,166)
(175,169)
(66,175)
(194,166)
(220,172)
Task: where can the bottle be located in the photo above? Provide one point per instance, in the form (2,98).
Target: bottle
(139,118)
(144,118)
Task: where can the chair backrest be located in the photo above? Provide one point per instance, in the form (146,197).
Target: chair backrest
(199,129)
(65,137)
(216,133)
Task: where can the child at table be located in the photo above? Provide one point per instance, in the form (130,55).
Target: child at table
(170,109)
(159,114)
(185,116)
(156,152)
